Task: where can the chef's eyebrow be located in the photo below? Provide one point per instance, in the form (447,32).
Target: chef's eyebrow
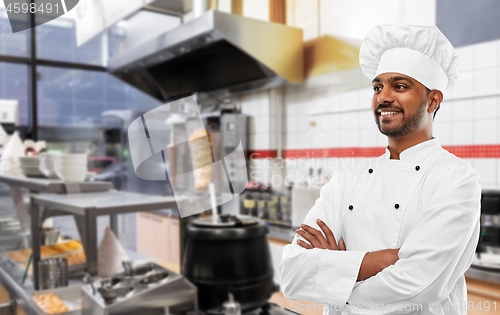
(396,78)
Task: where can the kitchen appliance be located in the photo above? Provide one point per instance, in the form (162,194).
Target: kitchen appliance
(488,250)
(53,273)
(216,53)
(230,255)
(147,290)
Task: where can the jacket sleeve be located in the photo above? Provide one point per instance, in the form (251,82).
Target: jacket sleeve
(436,253)
(317,275)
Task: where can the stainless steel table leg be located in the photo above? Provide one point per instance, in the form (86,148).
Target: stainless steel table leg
(22,212)
(113,224)
(8,308)
(35,241)
(91,240)
(80,225)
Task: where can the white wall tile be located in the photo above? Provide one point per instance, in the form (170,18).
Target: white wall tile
(349,100)
(366,119)
(486,168)
(349,120)
(485,131)
(486,80)
(486,55)
(464,85)
(349,138)
(461,110)
(485,107)
(335,139)
(442,131)
(462,132)
(302,123)
(329,122)
(291,142)
(262,142)
(466,57)
(444,112)
(321,140)
(291,124)
(368,138)
(262,124)
(381,139)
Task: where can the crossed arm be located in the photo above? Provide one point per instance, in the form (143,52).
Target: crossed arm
(373,262)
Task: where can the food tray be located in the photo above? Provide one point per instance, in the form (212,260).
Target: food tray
(71,296)
(26,258)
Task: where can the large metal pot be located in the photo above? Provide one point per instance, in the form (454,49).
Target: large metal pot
(230,255)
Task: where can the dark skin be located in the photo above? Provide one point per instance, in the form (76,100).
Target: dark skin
(403,109)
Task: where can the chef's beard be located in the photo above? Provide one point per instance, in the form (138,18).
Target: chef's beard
(408,123)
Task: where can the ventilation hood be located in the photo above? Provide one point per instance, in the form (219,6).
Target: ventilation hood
(217,53)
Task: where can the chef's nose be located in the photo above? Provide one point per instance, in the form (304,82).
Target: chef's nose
(385,96)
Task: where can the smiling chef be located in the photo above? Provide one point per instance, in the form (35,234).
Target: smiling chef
(408,226)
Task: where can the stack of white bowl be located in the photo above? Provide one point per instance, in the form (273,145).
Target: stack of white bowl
(31,166)
(72,167)
(48,163)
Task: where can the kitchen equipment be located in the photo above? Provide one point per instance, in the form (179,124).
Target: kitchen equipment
(72,167)
(53,273)
(231,307)
(230,255)
(30,165)
(49,235)
(48,163)
(146,289)
(219,53)
(488,250)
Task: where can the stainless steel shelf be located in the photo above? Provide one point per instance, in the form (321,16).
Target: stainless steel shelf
(107,203)
(52,186)
(481,274)
(86,208)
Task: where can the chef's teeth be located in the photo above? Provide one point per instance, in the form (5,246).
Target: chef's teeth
(387,113)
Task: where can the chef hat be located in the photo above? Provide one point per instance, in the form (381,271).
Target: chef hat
(421,52)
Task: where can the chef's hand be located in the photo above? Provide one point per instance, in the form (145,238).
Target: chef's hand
(316,238)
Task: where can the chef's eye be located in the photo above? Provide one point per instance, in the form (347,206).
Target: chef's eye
(400,87)
(377,88)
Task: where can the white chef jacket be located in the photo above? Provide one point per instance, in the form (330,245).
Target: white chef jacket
(427,203)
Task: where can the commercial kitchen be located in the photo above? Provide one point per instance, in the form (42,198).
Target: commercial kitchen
(157,155)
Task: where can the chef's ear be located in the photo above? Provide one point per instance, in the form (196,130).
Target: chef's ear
(434,99)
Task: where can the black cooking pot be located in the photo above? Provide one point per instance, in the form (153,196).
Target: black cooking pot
(230,255)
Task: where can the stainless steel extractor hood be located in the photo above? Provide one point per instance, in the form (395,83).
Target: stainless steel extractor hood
(217,53)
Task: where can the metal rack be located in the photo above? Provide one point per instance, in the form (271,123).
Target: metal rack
(86,208)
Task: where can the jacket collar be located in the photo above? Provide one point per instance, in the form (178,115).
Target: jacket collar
(417,153)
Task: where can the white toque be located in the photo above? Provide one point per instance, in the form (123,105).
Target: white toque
(420,52)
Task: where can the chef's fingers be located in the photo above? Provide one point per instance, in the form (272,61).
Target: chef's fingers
(319,236)
(342,244)
(310,238)
(329,235)
(304,244)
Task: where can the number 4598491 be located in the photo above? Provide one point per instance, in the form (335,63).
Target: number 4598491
(32,8)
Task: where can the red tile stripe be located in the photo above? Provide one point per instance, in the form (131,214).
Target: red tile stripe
(262,154)
(461,151)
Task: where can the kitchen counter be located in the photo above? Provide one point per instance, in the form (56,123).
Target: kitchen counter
(282,234)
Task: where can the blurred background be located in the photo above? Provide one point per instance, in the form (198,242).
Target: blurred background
(281,75)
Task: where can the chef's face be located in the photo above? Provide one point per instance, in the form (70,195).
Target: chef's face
(400,105)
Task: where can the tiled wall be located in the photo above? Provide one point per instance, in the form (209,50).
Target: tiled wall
(332,111)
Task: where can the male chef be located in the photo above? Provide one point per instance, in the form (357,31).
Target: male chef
(396,235)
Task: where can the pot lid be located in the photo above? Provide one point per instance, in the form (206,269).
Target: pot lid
(225,220)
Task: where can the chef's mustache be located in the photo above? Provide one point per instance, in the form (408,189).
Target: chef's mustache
(388,106)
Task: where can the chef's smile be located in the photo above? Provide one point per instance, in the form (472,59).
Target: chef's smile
(387,115)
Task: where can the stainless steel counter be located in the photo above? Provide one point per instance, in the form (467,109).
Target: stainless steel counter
(11,276)
(86,208)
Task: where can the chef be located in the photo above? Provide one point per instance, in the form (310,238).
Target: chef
(396,234)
